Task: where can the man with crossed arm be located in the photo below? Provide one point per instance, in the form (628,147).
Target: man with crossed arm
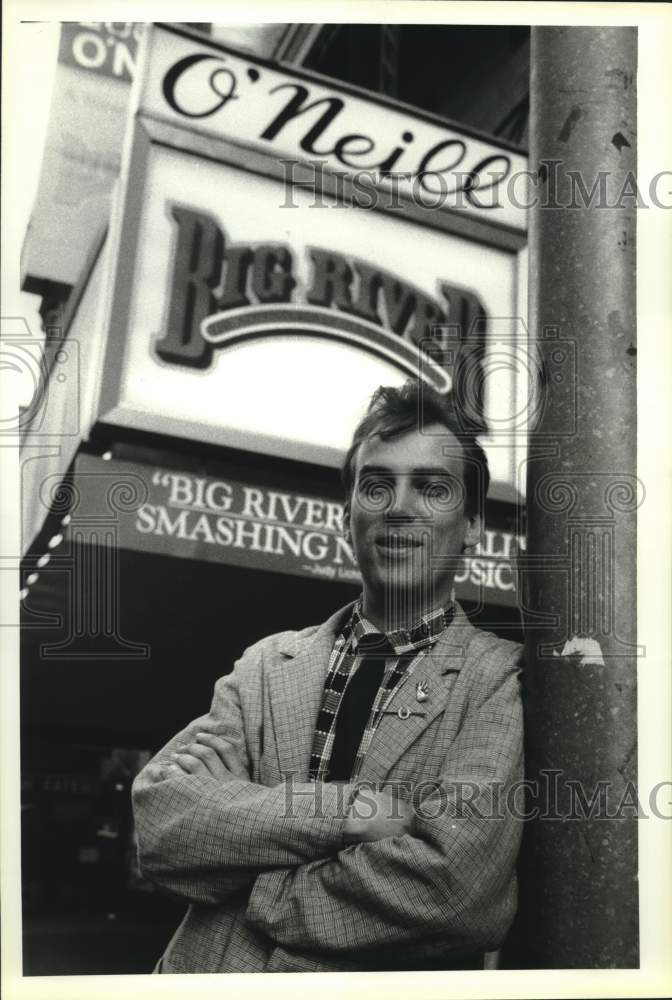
(342,804)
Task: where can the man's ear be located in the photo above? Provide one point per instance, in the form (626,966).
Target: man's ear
(345,524)
(472,535)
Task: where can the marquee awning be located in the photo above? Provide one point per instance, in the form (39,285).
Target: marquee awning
(227,520)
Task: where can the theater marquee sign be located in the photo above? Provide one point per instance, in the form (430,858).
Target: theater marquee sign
(246,311)
(222,519)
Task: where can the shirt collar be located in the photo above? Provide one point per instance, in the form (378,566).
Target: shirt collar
(424,632)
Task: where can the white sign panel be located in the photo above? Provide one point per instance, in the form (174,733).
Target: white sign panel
(250,321)
(295,117)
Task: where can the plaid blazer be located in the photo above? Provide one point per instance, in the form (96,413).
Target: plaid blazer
(271,884)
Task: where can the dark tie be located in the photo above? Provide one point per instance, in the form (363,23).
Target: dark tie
(355,708)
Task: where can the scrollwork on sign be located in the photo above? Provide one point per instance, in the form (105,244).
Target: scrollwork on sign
(127,494)
(61,496)
(375,493)
(556,494)
(444,495)
(625,494)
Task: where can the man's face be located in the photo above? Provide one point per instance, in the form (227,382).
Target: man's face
(407,516)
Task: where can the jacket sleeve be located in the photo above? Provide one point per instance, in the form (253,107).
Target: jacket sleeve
(450,886)
(204,839)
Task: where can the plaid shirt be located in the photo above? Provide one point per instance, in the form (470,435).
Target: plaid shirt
(407,646)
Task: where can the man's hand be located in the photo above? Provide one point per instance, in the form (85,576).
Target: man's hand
(212,756)
(374,815)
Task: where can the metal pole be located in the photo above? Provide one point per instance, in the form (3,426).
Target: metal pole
(579,862)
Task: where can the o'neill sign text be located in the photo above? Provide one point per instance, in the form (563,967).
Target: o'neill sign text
(300,118)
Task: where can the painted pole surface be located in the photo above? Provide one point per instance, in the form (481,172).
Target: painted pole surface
(579,898)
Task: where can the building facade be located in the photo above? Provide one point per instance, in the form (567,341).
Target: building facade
(239,234)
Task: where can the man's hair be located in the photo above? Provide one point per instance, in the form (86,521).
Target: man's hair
(414,406)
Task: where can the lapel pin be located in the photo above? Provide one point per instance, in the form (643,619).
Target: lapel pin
(402,713)
(422,691)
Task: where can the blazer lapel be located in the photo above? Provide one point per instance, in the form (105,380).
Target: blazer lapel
(295,687)
(395,733)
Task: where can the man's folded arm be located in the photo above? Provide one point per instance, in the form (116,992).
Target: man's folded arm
(449,885)
(203,838)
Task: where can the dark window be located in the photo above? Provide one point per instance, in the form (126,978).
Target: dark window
(474,75)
